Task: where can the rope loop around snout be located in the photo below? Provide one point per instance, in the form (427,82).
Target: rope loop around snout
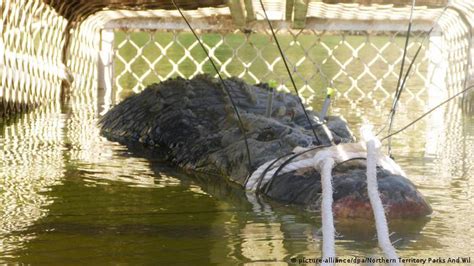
(324,159)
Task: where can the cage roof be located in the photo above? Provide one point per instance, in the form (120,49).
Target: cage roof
(77,9)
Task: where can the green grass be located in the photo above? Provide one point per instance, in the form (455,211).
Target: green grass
(252,49)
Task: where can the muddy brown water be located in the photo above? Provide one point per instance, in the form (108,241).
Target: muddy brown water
(69,196)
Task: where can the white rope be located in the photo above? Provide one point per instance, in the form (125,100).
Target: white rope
(253,180)
(324,160)
(374,196)
(339,153)
(327,216)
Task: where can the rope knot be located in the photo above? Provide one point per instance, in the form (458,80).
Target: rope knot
(320,158)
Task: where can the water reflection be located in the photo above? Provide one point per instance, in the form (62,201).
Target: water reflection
(32,162)
(67,194)
(99,160)
(259,231)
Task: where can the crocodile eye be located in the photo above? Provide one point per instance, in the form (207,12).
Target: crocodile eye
(266,135)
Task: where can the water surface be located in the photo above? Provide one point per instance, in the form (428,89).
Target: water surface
(69,196)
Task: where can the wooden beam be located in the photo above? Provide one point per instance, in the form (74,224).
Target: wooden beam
(237,10)
(250,11)
(299,13)
(289,9)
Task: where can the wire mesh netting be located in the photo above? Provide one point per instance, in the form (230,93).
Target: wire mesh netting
(33,36)
(358,64)
(50,49)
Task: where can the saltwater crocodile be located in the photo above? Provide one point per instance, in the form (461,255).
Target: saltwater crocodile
(195,121)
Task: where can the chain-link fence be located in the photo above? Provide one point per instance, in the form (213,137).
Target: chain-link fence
(57,47)
(31,67)
(337,48)
(359,65)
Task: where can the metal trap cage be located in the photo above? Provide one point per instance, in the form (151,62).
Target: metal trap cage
(108,49)
(91,54)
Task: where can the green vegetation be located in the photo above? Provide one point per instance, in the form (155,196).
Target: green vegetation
(255,58)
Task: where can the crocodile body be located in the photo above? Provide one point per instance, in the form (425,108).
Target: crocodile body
(195,121)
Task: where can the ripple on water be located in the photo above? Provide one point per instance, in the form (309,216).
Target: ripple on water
(67,194)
